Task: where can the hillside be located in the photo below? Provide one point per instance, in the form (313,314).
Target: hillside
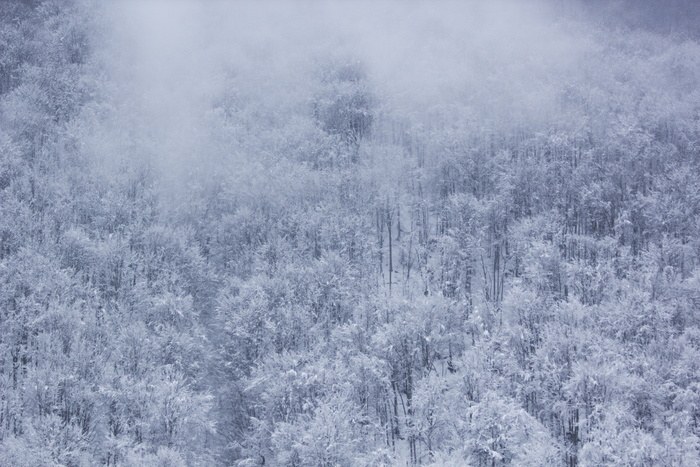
(349,233)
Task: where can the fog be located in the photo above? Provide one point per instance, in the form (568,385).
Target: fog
(172,60)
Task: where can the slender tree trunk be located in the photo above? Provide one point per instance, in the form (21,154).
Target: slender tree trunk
(391,253)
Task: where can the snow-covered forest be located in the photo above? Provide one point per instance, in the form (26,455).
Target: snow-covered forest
(321,233)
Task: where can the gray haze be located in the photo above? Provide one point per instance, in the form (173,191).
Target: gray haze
(170,59)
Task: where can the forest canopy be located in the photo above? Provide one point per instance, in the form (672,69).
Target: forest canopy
(326,233)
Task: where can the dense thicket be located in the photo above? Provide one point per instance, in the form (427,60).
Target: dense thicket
(491,259)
